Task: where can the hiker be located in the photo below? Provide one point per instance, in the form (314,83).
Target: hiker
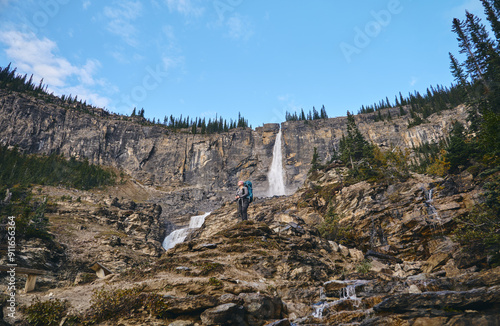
(242,196)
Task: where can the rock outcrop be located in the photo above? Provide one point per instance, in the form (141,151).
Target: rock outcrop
(276,268)
(157,156)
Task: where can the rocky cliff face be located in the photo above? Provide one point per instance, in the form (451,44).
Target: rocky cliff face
(155,155)
(301,137)
(150,153)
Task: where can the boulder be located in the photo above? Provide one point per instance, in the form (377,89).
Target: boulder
(261,307)
(231,298)
(344,250)
(356,254)
(334,245)
(378,267)
(225,314)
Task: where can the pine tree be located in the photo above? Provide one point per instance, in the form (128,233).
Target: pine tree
(458,71)
(323,114)
(315,114)
(315,162)
(458,151)
(474,67)
(353,147)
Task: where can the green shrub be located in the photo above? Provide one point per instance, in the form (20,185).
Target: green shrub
(364,267)
(156,305)
(111,304)
(211,267)
(214,282)
(331,229)
(47,313)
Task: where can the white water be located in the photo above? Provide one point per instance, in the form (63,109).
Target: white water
(275,175)
(431,210)
(346,293)
(178,236)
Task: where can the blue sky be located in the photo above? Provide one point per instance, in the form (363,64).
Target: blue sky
(262,58)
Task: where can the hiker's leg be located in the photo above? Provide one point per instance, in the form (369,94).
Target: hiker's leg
(244,208)
(239,209)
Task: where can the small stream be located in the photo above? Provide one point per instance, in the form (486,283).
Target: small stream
(431,210)
(347,293)
(179,235)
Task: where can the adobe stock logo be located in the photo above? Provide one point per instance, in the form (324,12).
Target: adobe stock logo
(364,36)
(221,7)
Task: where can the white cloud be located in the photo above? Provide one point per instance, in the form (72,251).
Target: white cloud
(285,97)
(168,31)
(286,104)
(120,19)
(88,70)
(239,27)
(36,56)
(87,95)
(413,81)
(86,4)
(185,7)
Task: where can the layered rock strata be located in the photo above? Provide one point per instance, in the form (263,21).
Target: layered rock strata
(157,156)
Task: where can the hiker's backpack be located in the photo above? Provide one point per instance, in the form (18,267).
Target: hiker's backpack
(248,184)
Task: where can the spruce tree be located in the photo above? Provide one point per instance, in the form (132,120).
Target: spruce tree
(458,151)
(323,114)
(457,71)
(315,162)
(353,147)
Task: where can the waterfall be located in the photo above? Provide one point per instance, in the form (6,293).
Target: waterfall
(431,210)
(275,175)
(178,236)
(349,293)
(346,293)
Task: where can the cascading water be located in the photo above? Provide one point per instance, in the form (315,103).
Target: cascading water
(178,236)
(431,210)
(275,175)
(346,293)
